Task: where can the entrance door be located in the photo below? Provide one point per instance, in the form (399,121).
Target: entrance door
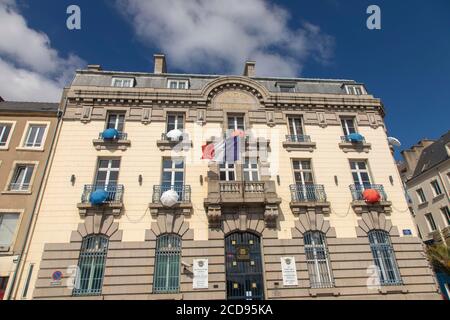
(244,267)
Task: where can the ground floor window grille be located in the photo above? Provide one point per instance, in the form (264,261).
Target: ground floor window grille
(317,260)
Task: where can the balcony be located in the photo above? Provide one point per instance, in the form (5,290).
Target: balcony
(349,145)
(119,142)
(166,143)
(360,205)
(298,142)
(308,197)
(112,203)
(184,204)
(230,194)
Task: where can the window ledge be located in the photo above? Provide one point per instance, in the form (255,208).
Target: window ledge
(100,144)
(6,148)
(164,145)
(5,249)
(294,146)
(16,192)
(393,289)
(324,292)
(359,147)
(30,149)
(438,197)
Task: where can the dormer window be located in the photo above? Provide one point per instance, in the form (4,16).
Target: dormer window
(356,90)
(286,87)
(178,84)
(123,82)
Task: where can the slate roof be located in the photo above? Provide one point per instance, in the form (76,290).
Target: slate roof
(16,106)
(433,155)
(197,81)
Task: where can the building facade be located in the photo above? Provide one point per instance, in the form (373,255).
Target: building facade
(131,211)
(27,131)
(426,173)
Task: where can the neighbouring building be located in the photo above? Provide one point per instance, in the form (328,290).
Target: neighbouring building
(131,211)
(27,131)
(426,175)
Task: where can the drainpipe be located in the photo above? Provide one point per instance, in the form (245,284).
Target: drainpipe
(12,293)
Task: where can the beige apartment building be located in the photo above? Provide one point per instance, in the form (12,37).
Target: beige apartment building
(132,211)
(426,174)
(27,132)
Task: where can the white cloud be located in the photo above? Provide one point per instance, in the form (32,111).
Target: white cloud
(217,35)
(30,69)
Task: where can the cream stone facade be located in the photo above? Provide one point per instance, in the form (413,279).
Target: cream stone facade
(253,224)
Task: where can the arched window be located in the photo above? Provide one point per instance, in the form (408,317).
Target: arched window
(317,260)
(167,265)
(91,266)
(383,255)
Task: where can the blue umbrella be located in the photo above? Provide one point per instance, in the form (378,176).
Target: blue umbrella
(355,137)
(110,134)
(98,197)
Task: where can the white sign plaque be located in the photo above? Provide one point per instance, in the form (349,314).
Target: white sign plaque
(200,274)
(289,271)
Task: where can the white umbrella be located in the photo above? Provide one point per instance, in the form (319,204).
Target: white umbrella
(394,142)
(174,135)
(169,198)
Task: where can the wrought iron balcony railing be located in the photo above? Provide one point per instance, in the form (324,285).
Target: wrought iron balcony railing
(239,186)
(184,192)
(120,136)
(308,193)
(115,193)
(358,189)
(297,138)
(349,140)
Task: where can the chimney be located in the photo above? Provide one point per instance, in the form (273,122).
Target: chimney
(250,69)
(94,67)
(160,63)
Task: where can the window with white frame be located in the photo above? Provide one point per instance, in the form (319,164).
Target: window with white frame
(116,120)
(178,84)
(446,215)
(421,196)
(296,128)
(236,122)
(383,255)
(107,173)
(348,125)
(436,188)
(317,260)
(355,90)
(35,136)
(5,131)
(175,121)
(302,172)
(21,179)
(227,172)
(251,170)
(286,87)
(360,173)
(430,221)
(123,82)
(8,225)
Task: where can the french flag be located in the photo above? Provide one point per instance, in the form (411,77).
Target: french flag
(228,150)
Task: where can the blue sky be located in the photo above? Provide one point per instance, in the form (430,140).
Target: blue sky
(406,64)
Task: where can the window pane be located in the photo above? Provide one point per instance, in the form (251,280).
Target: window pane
(5,129)
(8,224)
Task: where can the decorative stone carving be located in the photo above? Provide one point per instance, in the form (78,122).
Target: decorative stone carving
(97,224)
(361,206)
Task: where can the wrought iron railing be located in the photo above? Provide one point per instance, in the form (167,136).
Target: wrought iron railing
(239,186)
(348,139)
(358,189)
(18,187)
(164,137)
(297,138)
(308,193)
(115,193)
(184,192)
(119,136)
